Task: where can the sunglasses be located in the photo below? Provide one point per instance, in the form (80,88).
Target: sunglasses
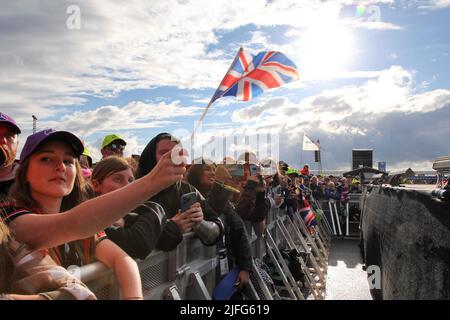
(115,146)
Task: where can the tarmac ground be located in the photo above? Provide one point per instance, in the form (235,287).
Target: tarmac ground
(346,279)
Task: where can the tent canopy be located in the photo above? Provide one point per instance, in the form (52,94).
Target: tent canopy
(361,171)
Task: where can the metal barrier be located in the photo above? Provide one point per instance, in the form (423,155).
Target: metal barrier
(352,224)
(189,271)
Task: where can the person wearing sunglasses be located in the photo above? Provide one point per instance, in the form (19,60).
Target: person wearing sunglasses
(113,145)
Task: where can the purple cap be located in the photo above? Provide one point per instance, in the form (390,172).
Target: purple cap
(38,138)
(11,121)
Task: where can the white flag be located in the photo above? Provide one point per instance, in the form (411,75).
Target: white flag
(308,145)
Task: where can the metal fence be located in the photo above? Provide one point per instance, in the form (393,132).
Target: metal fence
(188,272)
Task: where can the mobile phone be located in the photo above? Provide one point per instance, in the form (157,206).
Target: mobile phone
(236,170)
(187,200)
(254,169)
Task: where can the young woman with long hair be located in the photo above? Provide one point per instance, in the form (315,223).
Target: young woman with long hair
(47,208)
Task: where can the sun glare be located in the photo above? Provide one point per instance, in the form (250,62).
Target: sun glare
(325,50)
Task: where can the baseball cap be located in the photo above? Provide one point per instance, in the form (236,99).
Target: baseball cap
(38,138)
(7,119)
(87,153)
(292,171)
(111,138)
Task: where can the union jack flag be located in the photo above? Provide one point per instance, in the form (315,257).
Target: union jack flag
(250,75)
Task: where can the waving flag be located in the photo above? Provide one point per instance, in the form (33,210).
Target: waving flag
(250,75)
(308,144)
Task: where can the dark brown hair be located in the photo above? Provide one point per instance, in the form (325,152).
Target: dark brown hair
(108,166)
(195,174)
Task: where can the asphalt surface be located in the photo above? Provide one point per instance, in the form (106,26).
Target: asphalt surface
(346,279)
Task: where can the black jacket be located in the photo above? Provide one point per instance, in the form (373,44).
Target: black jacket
(252,206)
(169,198)
(236,239)
(141,231)
(237,242)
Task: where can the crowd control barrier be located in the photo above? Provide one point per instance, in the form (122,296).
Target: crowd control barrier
(189,271)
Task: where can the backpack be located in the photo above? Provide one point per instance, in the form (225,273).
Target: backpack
(264,272)
(291,257)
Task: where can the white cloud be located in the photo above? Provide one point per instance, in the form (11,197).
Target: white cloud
(135,115)
(120,48)
(373,25)
(434,4)
(46,69)
(259,41)
(391,91)
(393,56)
(385,112)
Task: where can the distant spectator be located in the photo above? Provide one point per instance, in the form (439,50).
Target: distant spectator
(331,192)
(86,163)
(315,188)
(113,145)
(345,194)
(253,205)
(305,170)
(9,142)
(133,163)
(355,186)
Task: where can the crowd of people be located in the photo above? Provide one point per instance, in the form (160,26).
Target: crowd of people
(58,209)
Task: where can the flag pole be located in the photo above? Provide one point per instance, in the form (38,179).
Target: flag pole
(211,101)
(201,119)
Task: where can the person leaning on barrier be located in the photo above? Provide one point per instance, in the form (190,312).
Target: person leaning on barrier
(44,211)
(138,232)
(27,275)
(9,142)
(274,191)
(48,164)
(253,204)
(218,195)
(315,188)
(289,195)
(331,192)
(200,218)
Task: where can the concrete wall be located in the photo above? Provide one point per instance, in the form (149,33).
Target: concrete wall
(407,234)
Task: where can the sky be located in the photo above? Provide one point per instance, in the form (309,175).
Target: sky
(373,75)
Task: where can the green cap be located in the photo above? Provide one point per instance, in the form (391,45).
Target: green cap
(87,153)
(111,138)
(292,171)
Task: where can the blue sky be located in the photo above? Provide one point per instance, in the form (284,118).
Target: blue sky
(374,74)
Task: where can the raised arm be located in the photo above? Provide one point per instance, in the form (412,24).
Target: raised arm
(45,231)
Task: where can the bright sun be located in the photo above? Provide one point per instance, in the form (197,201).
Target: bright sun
(325,50)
